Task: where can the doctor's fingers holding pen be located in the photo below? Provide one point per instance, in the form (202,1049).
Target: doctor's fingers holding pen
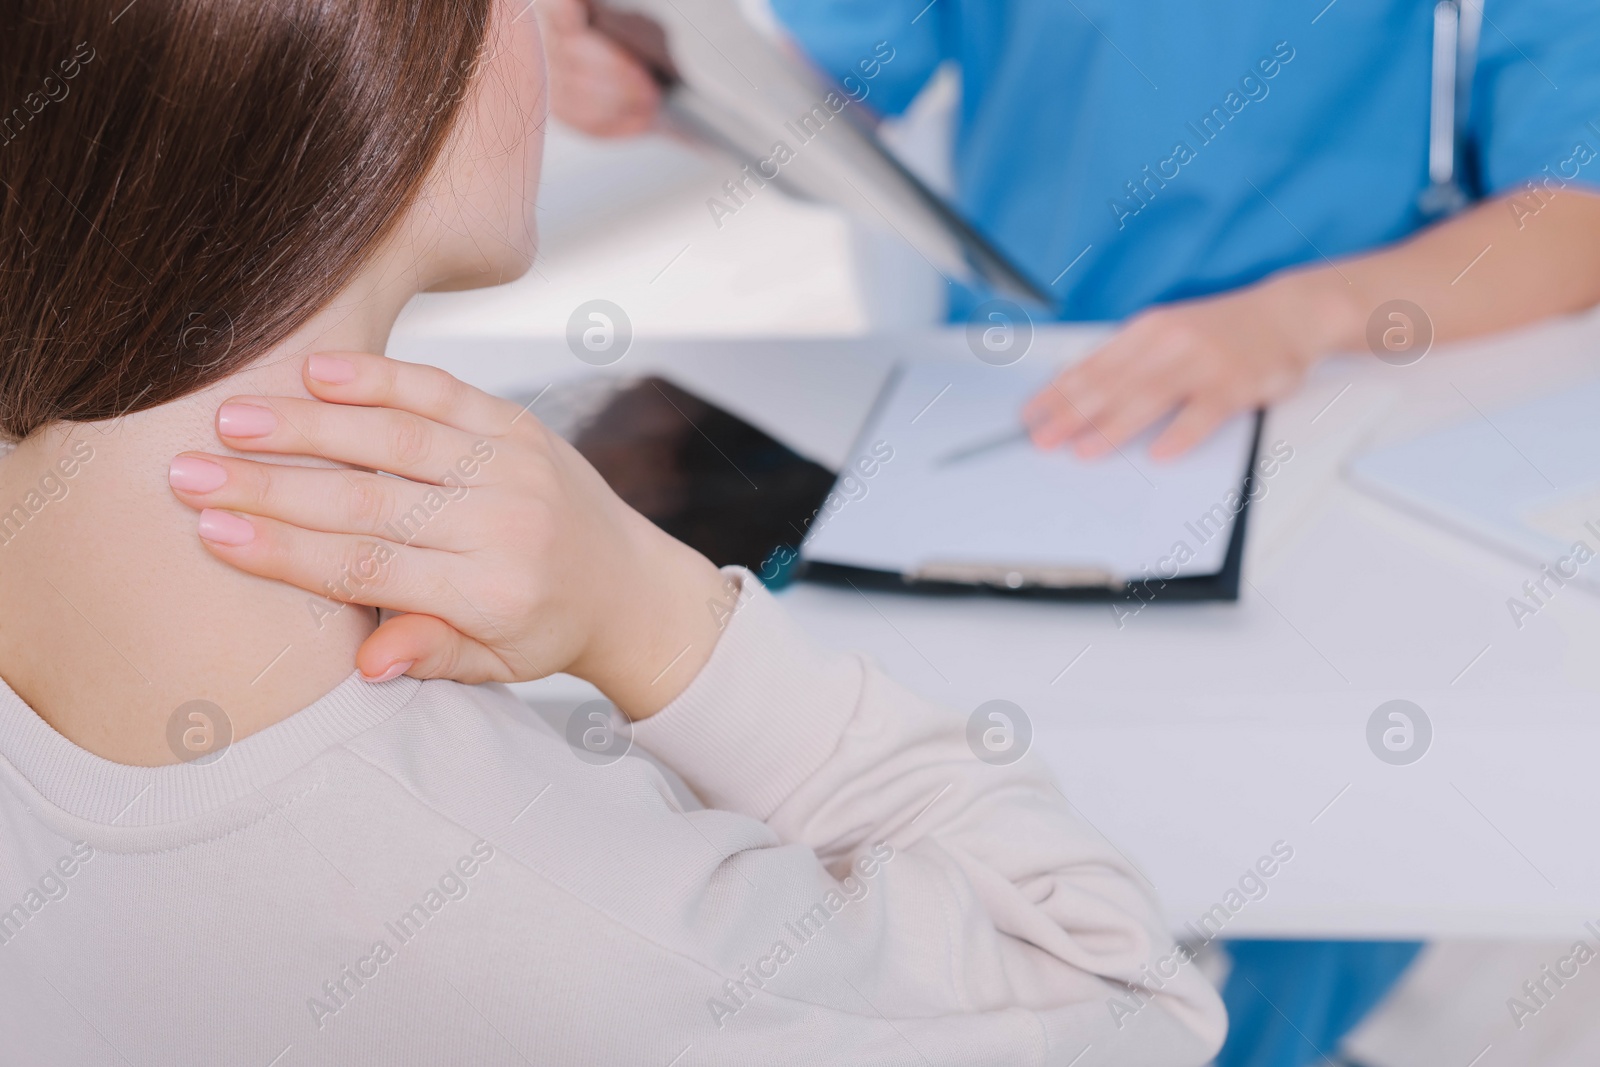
(508,556)
(1202,361)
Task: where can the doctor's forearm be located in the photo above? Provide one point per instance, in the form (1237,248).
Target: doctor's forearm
(1496,266)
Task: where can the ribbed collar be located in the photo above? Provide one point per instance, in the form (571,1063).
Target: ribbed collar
(100,792)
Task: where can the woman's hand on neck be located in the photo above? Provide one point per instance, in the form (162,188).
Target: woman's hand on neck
(114,615)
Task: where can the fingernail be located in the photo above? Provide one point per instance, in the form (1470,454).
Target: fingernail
(225,529)
(190,475)
(395,670)
(331,370)
(245,420)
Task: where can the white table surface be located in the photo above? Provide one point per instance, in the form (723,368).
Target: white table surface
(1196,736)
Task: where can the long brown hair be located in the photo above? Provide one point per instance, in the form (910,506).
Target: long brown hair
(183,183)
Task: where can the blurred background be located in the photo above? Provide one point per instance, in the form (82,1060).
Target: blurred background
(627,221)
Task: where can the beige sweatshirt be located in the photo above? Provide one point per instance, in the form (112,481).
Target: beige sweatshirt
(427,873)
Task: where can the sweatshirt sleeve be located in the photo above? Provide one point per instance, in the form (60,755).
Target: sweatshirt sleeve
(967,897)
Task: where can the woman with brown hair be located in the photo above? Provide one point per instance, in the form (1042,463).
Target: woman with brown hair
(218,844)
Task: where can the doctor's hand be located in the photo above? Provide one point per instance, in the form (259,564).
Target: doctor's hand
(595,85)
(1200,362)
(507,554)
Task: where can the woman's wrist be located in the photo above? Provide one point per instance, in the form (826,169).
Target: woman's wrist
(660,626)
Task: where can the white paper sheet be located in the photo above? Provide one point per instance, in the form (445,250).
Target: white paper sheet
(1525,480)
(1017,506)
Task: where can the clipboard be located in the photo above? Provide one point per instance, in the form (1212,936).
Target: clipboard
(726,86)
(1234,481)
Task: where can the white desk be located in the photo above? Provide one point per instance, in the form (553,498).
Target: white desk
(1196,736)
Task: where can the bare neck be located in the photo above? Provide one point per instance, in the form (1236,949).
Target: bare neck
(113,615)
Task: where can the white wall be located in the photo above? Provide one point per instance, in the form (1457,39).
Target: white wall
(627,221)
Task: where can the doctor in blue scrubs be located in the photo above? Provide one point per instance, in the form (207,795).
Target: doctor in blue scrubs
(1247,183)
(1247,186)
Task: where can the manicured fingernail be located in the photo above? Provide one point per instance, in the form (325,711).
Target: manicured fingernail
(191,475)
(395,670)
(225,529)
(331,370)
(245,420)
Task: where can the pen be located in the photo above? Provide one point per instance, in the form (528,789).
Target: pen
(990,444)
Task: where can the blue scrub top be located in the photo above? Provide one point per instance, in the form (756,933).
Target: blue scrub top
(1195,147)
